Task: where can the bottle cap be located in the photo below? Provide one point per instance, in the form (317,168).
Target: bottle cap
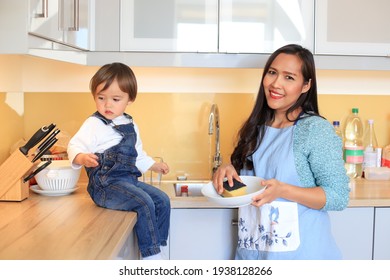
(370,121)
(355,110)
(336,123)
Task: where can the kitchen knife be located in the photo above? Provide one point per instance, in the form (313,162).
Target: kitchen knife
(36,138)
(47,140)
(36,171)
(45,149)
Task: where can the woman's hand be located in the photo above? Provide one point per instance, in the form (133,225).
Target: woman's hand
(272,190)
(314,197)
(224,171)
(160,167)
(88,160)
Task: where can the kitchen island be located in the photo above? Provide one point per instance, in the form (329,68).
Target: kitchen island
(73,227)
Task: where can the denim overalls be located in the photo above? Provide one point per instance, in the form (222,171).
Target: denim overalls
(114,184)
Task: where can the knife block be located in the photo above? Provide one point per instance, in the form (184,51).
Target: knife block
(12,172)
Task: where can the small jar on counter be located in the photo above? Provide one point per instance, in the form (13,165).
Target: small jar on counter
(184,191)
(386,156)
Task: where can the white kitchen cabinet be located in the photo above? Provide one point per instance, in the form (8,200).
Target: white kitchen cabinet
(13,27)
(202,234)
(129,250)
(262,26)
(353,230)
(249,26)
(170,25)
(382,234)
(64,21)
(352,27)
(44,19)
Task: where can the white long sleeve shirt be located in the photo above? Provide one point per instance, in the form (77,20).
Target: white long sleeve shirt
(94,136)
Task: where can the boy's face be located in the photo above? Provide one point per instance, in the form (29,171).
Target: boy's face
(111,102)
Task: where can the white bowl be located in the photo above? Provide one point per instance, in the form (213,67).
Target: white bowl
(253,188)
(59,175)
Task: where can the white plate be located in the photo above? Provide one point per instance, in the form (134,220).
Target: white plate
(37,189)
(253,188)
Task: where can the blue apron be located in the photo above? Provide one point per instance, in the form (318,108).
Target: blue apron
(282,229)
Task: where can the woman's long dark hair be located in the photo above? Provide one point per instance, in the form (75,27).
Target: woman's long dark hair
(252,131)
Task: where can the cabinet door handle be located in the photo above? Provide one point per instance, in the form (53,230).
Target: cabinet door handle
(45,12)
(62,12)
(76,16)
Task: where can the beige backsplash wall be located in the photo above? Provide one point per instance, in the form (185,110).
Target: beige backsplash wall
(175,125)
(11,125)
(11,103)
(173,104)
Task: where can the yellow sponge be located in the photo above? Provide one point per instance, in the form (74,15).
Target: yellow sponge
(237,189)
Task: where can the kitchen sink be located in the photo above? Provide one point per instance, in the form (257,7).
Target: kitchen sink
(194,188)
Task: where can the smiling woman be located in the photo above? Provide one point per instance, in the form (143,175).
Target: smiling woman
(284,84)
(297,152)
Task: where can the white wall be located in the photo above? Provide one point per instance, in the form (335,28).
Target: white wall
(31,74)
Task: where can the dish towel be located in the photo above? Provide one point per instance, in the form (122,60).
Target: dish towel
(273,227)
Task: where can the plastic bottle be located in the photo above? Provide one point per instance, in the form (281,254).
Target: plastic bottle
(353,144)
(339,132)
(337,129)
(370,146)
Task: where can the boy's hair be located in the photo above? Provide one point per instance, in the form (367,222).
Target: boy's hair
(115,71)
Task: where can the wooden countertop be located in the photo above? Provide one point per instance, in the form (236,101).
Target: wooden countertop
(364,193)
(64,227)
(369,193)
(73,227)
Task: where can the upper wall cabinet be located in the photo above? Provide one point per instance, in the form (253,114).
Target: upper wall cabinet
(225,26)
(262,26)
(169,25)
(63,21)
(13,31)
(352,27)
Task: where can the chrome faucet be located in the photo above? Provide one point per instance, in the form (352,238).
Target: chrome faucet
(214,118)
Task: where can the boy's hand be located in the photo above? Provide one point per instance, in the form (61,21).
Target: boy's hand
(160,167)
(88,160)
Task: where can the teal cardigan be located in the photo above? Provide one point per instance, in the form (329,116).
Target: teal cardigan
(319,162)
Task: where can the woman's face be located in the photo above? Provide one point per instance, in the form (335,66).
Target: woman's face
(111,102)
(284,82)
